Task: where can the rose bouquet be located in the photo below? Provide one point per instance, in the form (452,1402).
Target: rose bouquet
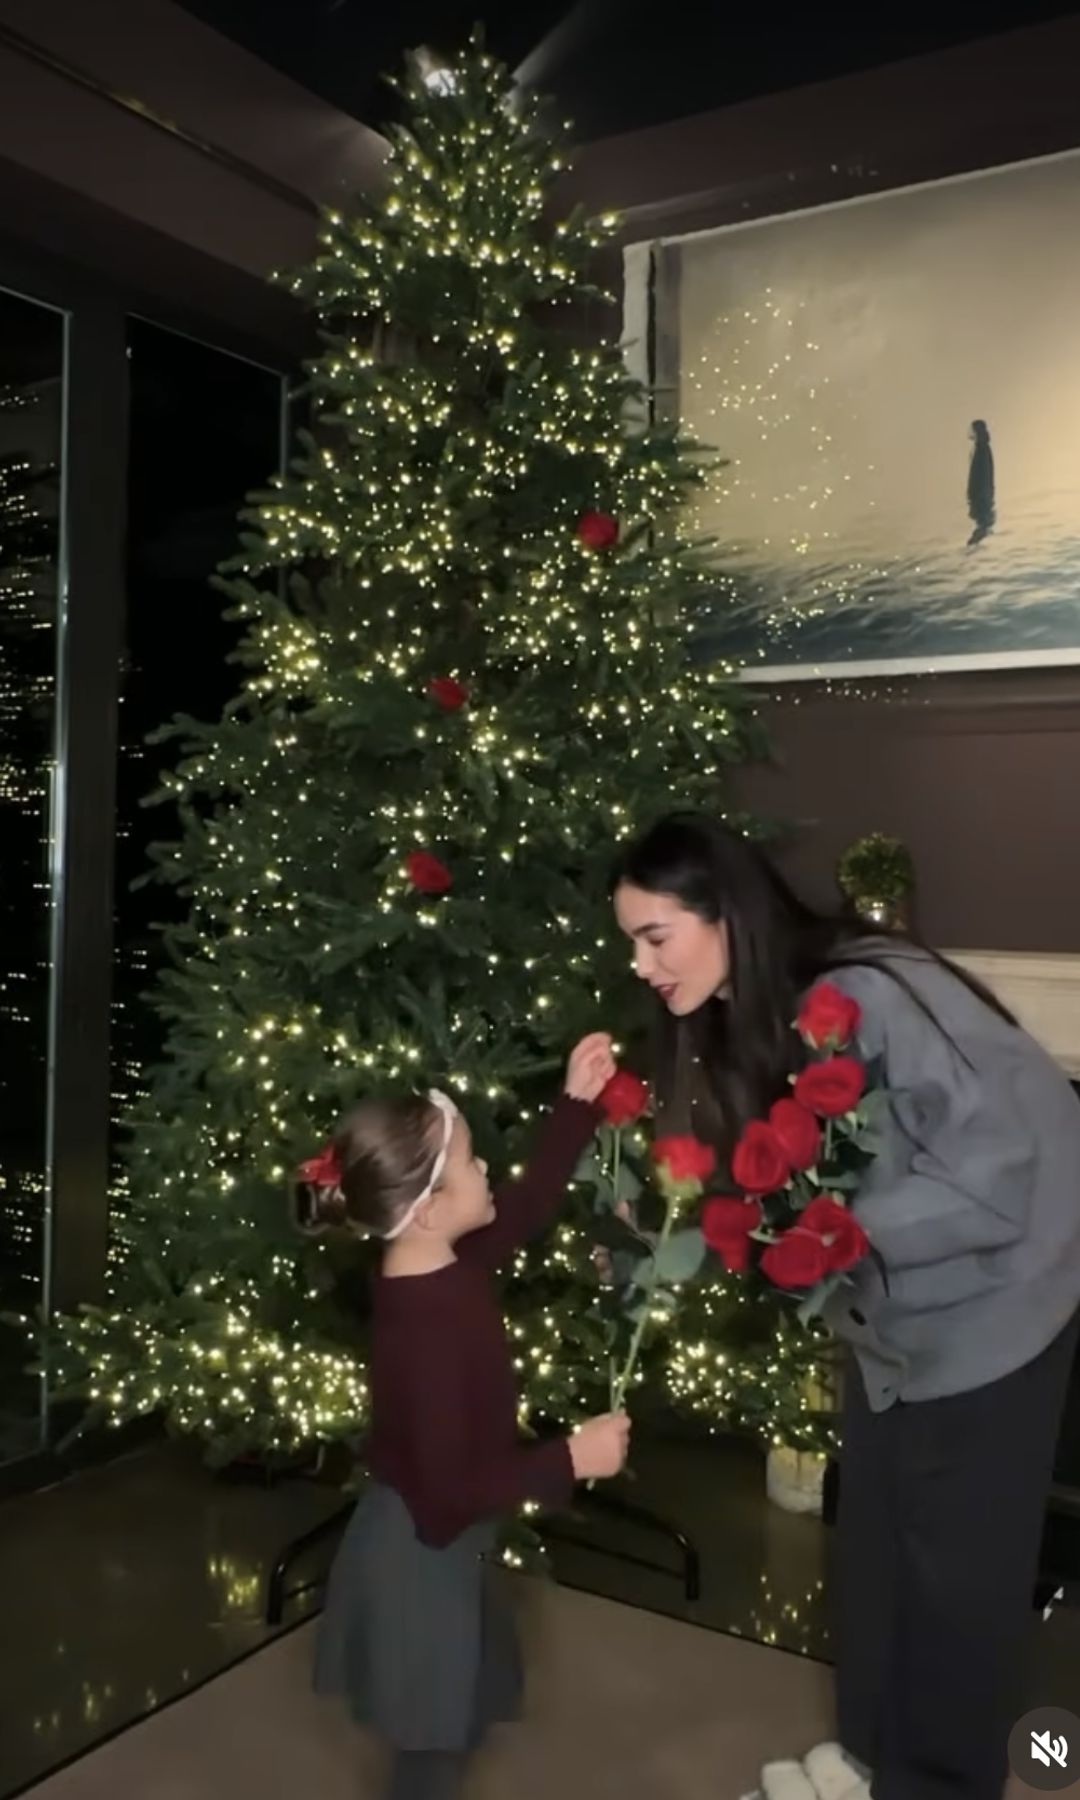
(786,1220)
(797,1170)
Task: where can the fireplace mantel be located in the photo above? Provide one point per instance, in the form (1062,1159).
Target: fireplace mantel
(1042,990)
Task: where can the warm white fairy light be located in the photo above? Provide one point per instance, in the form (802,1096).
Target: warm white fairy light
(427,529)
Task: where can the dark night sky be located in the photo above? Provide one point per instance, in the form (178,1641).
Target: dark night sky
(613,65)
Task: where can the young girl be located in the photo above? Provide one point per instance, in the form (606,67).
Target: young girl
(412,1632)
(962,1326)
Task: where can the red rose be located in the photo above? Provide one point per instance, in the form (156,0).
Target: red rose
(726,1224)
(624,1098)
(684,1158)
(846,1243)
(597,530)
(828,1019)
(797,1259)
(448,693)
(427,873)
(760,1163)
(831,1088)
(798,1131)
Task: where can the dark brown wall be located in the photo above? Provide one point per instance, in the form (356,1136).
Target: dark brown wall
(146,148)
(994,101)
(981,780)
(979,773)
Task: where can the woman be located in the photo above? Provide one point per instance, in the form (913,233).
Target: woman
(963,1324)
(982,509)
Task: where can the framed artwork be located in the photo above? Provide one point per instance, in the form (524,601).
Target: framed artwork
(891,390)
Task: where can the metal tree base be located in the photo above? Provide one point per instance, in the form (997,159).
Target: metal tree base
(616,1507)
(278,1596)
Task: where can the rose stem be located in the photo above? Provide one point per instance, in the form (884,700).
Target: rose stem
(619,1392)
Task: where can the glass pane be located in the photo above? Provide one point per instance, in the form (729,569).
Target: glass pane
(31,427)
(205,430)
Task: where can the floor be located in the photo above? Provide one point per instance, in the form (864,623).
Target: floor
(90,1569)
(621,1704)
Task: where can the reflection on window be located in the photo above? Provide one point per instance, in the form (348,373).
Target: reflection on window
(205,430)
(31,423)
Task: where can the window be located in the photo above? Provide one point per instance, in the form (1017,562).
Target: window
(206,428)
(32,371)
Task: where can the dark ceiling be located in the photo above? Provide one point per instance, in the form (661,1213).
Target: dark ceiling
(611,65)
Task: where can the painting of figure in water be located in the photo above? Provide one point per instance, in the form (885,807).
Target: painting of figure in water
(981,509)
(892,390)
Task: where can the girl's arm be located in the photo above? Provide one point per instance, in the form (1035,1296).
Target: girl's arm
(526,1206)
(458,1481)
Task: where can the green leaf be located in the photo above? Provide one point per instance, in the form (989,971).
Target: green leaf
(816,1299)
(680,1258)
(591,1169)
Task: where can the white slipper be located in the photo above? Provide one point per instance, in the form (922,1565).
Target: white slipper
(832,1776)
(786,1781)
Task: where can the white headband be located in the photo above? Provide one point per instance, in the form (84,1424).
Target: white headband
(449,1114)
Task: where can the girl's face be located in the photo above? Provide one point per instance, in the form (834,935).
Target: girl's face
(685,959)
(462,1201)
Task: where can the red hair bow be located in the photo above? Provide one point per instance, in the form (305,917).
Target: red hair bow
(323,1170)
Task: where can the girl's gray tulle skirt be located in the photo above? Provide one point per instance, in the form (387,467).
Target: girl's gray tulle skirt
(418,1641)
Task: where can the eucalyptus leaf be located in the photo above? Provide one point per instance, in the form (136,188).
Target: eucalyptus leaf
(681,1257)
(590,1169)
(817,1298)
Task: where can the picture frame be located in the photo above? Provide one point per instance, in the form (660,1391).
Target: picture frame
(889,389)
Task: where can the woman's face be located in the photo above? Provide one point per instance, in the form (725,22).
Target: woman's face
(685,959)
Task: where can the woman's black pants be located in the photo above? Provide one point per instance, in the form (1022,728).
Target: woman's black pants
(941,1509)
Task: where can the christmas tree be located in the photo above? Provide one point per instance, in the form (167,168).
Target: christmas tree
(468,668)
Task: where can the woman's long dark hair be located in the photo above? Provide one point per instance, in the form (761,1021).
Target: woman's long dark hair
(725,1064)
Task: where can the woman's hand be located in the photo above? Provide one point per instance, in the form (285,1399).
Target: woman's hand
(590,1068)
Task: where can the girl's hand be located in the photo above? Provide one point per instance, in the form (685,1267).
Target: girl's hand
(599,1448)
(590,1068)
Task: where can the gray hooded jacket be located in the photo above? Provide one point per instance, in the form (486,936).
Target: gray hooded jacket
(973,1200)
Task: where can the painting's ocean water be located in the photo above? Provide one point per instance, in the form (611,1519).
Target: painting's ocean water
(1016,591)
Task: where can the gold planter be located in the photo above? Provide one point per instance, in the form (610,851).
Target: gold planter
(883,915)
(795,1479)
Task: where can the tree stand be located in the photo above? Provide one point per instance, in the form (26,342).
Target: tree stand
(277,1595)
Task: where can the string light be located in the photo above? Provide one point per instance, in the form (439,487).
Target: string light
(427,528)
(28,549)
